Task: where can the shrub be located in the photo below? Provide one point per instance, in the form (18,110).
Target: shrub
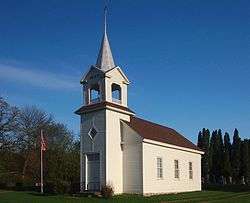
(19,186)
(62,187)
(107,191)
(49,188)
(3,185)
(57,187)
(75,187)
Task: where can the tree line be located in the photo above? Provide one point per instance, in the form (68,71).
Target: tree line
(20,149)
(224,162)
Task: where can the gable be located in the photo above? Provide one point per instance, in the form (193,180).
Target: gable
(118,73)
(93,73)
(153,131)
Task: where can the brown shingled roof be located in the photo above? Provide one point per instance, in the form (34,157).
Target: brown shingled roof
(156,132)
(101,105)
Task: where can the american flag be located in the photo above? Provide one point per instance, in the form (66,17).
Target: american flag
(43,144)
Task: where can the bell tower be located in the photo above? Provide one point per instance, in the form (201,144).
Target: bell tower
(105,81)
(104,106)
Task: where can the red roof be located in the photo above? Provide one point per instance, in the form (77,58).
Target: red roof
(156,132)
(101,105)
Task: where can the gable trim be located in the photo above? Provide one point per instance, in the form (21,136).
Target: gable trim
(86,74)
(121,72)
(162,144)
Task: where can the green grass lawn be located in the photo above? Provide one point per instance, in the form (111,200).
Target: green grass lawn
(204,196)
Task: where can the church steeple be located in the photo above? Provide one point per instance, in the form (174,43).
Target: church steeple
(105,82)
(105,59)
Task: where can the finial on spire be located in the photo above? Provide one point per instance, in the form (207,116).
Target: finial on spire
(105,59)
(105,18)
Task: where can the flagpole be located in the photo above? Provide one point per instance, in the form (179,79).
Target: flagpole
(41,162)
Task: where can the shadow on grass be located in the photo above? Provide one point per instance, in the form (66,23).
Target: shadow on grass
(78,195)
(41,195)
(227,188)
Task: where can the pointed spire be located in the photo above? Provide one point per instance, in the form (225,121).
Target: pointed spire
(105,59)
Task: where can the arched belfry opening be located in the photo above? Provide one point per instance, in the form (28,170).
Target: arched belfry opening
(94,94)
(116,93)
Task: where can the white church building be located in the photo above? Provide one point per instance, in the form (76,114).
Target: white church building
(119,149)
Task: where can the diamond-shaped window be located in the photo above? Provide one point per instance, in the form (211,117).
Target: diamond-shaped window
(92,133)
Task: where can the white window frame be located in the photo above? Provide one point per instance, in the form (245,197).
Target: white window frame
(190,169)
(176,169)
(89,133)
(159,167)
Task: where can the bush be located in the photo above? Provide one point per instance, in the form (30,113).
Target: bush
(107,191)
(3,185)
(19,186)
(57,187)
(227,188)
(75,187)
(50,188)
(62,187)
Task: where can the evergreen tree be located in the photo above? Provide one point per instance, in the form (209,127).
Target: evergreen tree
(227,144)
(216,148)
(212,157)
(248,170)
(205,161)
(219,149)
(227,169)
(236,152)
(244,166)
(199,142)
(203,144)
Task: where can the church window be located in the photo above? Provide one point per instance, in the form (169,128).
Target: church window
(159,168)
(116,93)
(92,133)
(94,94)
(190,166)
(176,169)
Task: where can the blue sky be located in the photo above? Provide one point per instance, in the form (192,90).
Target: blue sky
(188,61)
